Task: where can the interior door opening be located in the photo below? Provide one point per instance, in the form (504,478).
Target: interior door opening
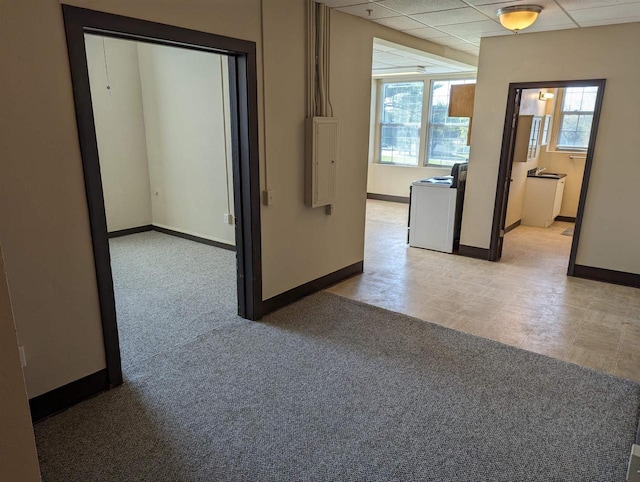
(162,117)
(547,153)
(242,138)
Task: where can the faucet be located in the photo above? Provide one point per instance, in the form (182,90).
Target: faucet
(540,169)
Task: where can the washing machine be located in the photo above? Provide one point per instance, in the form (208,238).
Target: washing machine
(435,211)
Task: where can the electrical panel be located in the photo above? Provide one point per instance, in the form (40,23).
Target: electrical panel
(322,161)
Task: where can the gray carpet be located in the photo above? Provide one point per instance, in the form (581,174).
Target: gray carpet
(332,389)
(168,291)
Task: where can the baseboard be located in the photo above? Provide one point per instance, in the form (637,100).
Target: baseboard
(607,275)
(513,226)
(567,219)
(191,237)
(387,197)
(68,395)
(306,289)
(473,252)
(128,231)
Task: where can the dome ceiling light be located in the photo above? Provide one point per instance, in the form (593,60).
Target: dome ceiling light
(518,17)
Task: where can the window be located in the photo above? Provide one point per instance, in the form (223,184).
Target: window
(414,131)
(447,135)
(575,117)
(400,122)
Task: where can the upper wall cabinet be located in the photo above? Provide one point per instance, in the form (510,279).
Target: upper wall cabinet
(461,103)
(461,99)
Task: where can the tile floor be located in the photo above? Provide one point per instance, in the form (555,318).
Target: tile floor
(525,300)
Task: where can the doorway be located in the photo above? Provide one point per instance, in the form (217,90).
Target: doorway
(570,131)
(162,126)
(243,140)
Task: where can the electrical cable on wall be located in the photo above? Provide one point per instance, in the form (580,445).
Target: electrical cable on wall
(106,67)
(226,127)
(318,58)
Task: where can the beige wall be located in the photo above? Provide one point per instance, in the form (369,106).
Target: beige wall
(611,224)
(395,180)
(44,225)
(556,161)
(186,118)
(119,130)
(18,458)
(319,244)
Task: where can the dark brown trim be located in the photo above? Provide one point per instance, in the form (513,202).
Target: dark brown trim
(473,252)
(191,237)
(128,231)
(74,22)
(504,172)
(506,158)
(607,275)
(67,395)
(306,289)
(389,198)
(244,135)
(513,226)
(567,219)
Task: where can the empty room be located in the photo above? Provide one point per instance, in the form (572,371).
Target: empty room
(181,296)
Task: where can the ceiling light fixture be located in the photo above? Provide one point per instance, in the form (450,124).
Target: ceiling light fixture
(546,96)
(417,70)
(518,17)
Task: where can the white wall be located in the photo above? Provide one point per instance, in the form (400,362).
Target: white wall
(556,161)
(611,224)
(18,458)
(186,112)
(529,105)
(120,132)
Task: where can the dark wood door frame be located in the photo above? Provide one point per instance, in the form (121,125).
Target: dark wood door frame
(244,134)
(506,161)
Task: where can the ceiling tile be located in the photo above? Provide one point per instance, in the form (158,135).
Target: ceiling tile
(408,7)
(581,4)
(426,33)
(343,3)
(596,23)
(610,12)
(400,23)
(377,11)
(545,28)
(483,26)
(450,17)
(477,3)
(454,42)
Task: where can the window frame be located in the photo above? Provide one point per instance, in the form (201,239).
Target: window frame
(558,116)
(379,108)
(425,121)
(447,78)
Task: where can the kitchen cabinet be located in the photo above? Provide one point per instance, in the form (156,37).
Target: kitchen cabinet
(527,145)
(542,200)
(461,98)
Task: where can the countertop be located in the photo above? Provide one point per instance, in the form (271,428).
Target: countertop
(548,175)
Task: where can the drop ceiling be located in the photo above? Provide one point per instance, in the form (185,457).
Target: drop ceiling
(388,56)
(460,24)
